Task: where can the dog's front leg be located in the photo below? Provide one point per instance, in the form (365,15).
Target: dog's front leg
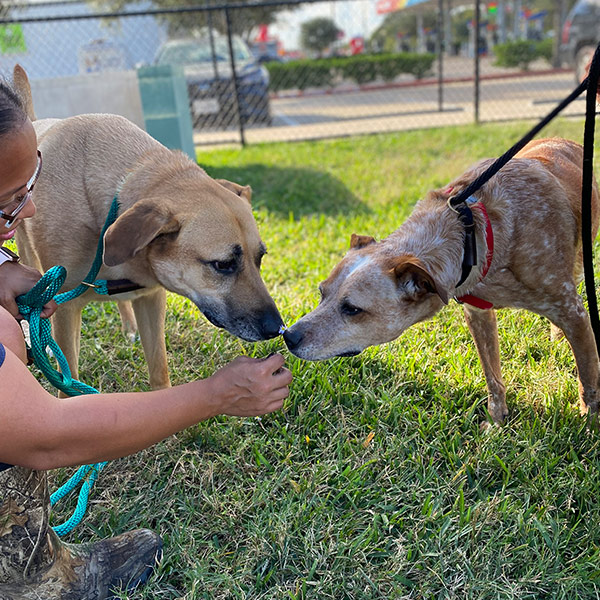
(149,311)
(66,323)
(484,329)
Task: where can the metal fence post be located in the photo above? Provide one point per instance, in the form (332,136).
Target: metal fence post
(211,37)
(476,23)
(234,78)
(440,51)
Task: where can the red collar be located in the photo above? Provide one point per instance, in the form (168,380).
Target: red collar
(489,238)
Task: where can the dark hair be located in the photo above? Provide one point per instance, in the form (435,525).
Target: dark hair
(12,111)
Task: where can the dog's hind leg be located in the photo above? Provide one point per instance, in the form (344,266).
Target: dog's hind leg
(556,333)
(484,329)
(571,316)
(128,322)
(150,312)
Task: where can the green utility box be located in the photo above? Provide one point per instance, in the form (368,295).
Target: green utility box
(166,107)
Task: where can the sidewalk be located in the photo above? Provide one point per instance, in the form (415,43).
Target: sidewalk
(460,67)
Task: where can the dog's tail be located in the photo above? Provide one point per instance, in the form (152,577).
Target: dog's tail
(23,89)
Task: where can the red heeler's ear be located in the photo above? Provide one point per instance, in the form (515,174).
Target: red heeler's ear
(410,273)
(360,241)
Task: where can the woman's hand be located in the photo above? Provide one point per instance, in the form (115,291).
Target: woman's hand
(249,387)
(17,279)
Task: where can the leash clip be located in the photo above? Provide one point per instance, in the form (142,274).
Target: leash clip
(451,206)
(469,201)
(94,286)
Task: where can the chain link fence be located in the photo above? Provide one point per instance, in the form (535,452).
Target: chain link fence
(255,87)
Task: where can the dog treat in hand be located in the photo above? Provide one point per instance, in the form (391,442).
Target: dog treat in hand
(267,358)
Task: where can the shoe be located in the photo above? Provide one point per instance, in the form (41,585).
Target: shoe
(36,565)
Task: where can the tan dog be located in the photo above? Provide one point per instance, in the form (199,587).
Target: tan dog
(533,209)
(178,229)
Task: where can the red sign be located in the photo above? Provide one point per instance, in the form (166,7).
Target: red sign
(387,6)
(357,45)
(263,33)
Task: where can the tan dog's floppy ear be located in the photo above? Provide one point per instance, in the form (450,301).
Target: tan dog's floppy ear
(134,230)
(360,241)
(243,191)
(410,272)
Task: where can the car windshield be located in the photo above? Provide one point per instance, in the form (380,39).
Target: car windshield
(198,51)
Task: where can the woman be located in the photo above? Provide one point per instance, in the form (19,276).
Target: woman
(39,431)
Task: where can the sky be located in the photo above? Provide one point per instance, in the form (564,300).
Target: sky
(354,18)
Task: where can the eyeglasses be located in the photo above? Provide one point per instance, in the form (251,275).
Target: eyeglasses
(17,204)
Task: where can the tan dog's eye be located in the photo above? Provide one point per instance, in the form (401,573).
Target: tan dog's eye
(224,267)
(350,310)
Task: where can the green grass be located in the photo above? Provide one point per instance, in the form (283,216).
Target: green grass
(375,481)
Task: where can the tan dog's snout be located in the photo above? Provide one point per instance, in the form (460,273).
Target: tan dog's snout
(264,323)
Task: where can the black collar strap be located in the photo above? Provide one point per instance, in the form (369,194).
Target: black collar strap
(120,286)
(465,216)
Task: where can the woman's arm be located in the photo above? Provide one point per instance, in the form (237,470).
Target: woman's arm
(40,431)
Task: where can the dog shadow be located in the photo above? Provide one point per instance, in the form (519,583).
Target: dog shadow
(297,191)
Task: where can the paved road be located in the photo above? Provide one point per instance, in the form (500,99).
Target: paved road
(504,94)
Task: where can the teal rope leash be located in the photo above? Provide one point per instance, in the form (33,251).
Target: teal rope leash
(40,331)
(82,500)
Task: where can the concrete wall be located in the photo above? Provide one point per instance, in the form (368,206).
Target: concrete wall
(115,92)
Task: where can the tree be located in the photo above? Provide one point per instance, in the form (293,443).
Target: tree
(318,34)
(243,20)
(399,30)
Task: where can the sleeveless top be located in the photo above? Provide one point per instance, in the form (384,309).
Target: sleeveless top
(3,466)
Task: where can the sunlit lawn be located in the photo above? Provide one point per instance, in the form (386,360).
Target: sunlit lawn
(375,481)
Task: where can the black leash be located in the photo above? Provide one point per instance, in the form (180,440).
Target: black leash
(586,193)
(502,160)
(459,202)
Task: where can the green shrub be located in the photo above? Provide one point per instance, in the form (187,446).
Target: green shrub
(419,64)
(363,68)
(545,49)
(319,75)
(279,75)
(360,69)
(516,54)
(299,74)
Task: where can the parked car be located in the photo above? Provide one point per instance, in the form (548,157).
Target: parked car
(580,35)
(208,73)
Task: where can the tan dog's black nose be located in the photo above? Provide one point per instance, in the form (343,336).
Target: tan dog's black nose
(270,324)
(292,338)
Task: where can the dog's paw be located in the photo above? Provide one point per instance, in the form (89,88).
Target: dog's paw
(488,426)
(132,336)
(556,333)
(591,416)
